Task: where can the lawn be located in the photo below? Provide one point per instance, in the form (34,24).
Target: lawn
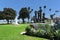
(12,32)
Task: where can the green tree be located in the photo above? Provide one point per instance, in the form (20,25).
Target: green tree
(29,11)
(50,14)
(50,11)
(9,13)
(44,8)
(43,17)
(40,14)
(24,13)
(2,15)
(35,16)
(44,14)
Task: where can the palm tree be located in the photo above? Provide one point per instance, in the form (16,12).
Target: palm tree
(56,11)
(40,14)
(29,11)
(33,19)
(50,10)
(50,14)
(35,16)
(44,13)
(44,8)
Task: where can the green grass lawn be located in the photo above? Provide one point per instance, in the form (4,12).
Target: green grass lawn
(12,32)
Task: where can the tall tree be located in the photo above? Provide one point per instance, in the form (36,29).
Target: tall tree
(50,14)
(44,14)
(35,16)
(44,8)
(10,14)
(24,13)
(40,14)
(50,11)
(43,18)
(2,15)
(29,11)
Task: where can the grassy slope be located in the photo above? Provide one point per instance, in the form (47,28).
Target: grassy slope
(12,32)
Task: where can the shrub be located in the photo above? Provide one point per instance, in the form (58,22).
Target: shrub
(32,31)
(40,33)
(58,34)
(47,31)
(28,29)
(40,26)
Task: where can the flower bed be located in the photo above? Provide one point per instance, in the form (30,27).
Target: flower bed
(42,30)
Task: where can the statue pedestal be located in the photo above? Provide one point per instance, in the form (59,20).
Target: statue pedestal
(16,21)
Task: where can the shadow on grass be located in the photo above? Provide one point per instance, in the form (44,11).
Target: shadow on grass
(37,36)
(45,37)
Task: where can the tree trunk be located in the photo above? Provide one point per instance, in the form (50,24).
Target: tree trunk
(7,21)
(23,20)
(28,20)
(11,21)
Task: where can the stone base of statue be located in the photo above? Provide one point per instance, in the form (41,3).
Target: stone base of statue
(16,23)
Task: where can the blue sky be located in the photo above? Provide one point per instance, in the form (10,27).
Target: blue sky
(34,4)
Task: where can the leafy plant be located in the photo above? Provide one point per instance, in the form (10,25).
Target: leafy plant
(46,31)
(28,29)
